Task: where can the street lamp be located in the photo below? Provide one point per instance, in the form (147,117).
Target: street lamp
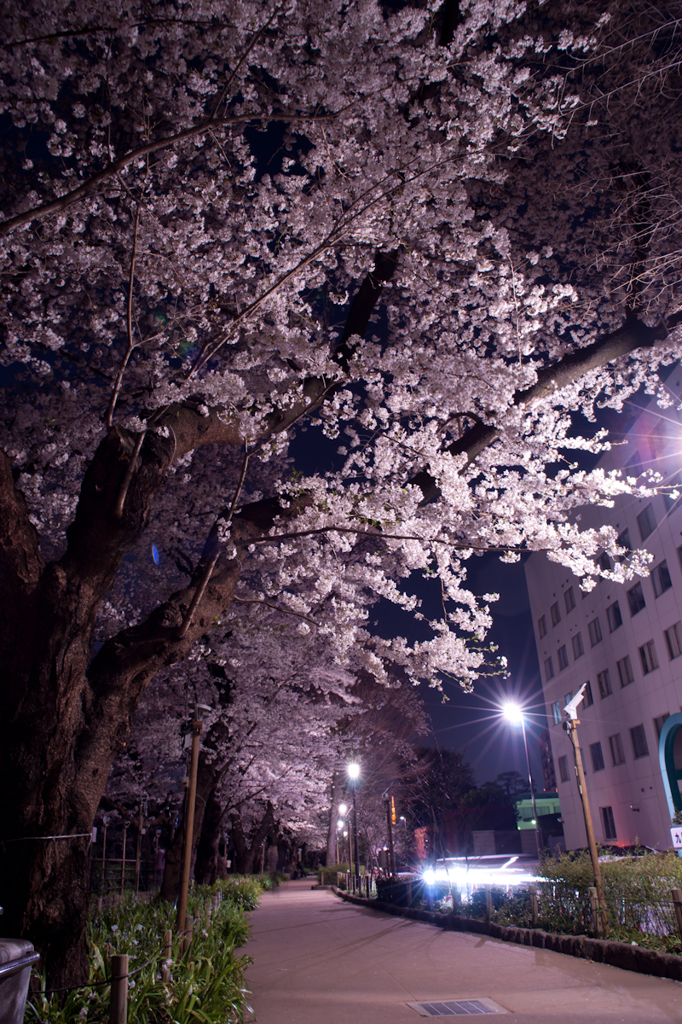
(353,770)
(514,714)
(571,726)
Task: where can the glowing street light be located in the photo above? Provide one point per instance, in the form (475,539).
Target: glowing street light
(514,714)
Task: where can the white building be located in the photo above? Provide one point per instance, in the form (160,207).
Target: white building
(626,643)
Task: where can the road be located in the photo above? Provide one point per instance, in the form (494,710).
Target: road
(318,960)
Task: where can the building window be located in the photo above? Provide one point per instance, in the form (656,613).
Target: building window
(567,697)
(623,540)
(563,768)
(636,599)
(640,747)
(679,555)
(595,631)
(597,757)
(569,598)
(578,649)
(588,699)
(542,627)
(625,673)
(661,578)
(673,640)
(555,613)
(659,723)
(604,681)
(615,619)
(605,562)
(646,522)
(617,752)
(562,655)
(556,712)
(647,653)
(608,824)
(669,502)
(549,668)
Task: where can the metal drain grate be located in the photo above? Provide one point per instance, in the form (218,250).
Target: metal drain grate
(457,1008)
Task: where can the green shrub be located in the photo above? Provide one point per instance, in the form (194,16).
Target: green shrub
(206,985)
(637,892)
(329,875)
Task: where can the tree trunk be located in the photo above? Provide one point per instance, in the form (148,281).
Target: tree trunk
(332,831)
(210,865)
(247,851)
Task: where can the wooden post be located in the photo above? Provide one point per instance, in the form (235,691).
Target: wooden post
(104,856)
(596,910)
(189,822)
(123,857)
(208,906)
(187,937)
(677,904)
(167,954)
(138,850)
(533,905)
(118,1006)
(488,903)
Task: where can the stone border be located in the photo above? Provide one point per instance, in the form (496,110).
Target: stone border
(601,951)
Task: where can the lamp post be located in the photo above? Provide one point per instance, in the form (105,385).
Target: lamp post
(343,810)
(353,774)
(197,727)
(514,714)
(571,726)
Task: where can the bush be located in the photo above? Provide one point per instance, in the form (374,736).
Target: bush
(205,985)
(329,875)
(637,892)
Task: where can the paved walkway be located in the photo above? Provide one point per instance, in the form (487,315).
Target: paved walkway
(318,960)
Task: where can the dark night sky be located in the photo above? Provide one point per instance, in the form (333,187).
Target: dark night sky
(470,722)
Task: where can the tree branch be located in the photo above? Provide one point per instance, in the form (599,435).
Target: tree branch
(633,335)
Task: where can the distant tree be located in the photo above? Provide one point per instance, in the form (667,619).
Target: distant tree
(512,783)
(438,794)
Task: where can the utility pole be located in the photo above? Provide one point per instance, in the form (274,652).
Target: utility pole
(197,726)
(571,727)
(390,808)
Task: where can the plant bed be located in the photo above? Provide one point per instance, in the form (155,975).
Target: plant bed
(204,984)
(628,956)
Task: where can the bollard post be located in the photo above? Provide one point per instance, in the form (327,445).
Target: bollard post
(677,904)
(533,905)
(187,937)
(594,907)
(118,1006)
(167,954)
(488,903)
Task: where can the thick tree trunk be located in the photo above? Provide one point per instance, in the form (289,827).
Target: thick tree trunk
(248,850)
(210,863)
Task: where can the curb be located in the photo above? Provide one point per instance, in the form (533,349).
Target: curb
(601,951)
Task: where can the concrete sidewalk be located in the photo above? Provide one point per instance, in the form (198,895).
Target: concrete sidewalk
(318,960)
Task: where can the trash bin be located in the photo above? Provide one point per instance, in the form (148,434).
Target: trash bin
(16,958)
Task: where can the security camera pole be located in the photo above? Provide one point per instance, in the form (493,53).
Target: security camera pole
(570,725)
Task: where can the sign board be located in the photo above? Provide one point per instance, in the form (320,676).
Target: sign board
(676,836)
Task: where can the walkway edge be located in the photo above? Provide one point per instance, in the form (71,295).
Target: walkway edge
(601,951)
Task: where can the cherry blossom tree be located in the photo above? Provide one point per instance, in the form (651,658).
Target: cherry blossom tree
(242,234)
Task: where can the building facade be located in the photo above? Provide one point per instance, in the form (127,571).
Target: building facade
(625,642)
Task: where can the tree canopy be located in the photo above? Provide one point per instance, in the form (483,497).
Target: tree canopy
(300,303)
